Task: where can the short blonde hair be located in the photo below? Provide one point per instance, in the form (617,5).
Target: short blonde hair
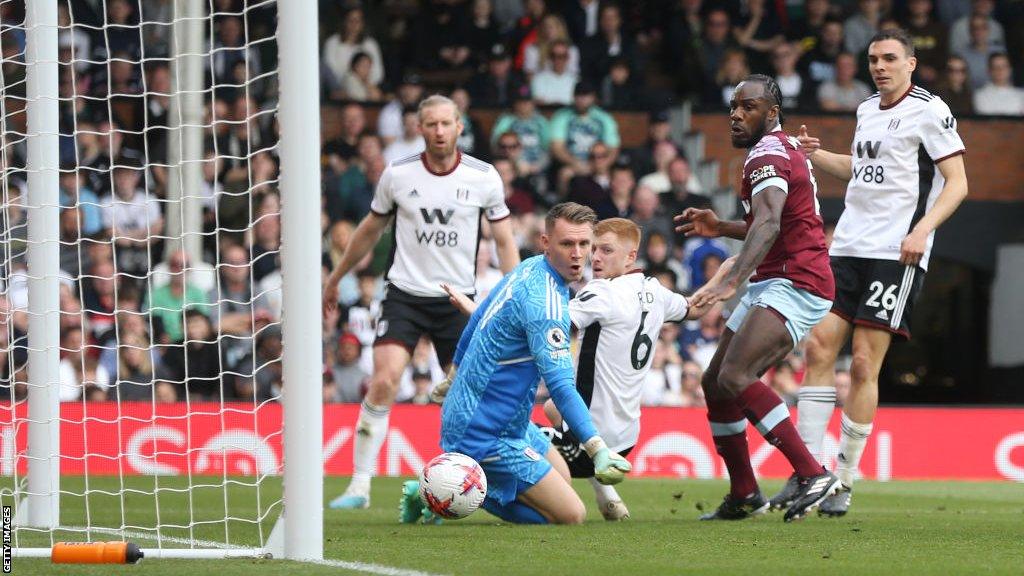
(436,100)
(625,229)
(571,212)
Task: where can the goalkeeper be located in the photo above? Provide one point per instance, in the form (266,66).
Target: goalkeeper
(518,335)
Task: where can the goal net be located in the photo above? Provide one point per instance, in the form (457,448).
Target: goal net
(147,322)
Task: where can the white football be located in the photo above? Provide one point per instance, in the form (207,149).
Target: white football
(453,485)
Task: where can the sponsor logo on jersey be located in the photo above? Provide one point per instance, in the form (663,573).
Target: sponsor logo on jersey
(894,125)
(766,171)
(949,123)
(531,454)
(429,216)
(414,194)
(882,315)
(868,148)
(462,194)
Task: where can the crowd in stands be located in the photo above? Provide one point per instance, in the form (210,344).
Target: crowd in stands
(143,319)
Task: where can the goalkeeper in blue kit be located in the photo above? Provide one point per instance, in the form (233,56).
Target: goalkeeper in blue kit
(518,335)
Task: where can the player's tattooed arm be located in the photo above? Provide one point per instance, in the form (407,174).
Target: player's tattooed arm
(767,210)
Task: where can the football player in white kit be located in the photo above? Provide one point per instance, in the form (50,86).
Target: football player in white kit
(437,199)
(906,177)
(619,315)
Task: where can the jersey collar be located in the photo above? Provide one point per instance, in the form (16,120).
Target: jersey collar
(900,99)
(458,159)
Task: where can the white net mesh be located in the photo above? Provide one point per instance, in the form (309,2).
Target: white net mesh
(169,366)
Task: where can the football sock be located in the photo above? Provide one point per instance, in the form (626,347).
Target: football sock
(515,512)
(604,493)
(371,429)
(851,446)
(815,407)
(770,416)
(729,429)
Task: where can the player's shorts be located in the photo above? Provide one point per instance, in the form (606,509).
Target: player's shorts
(876,293)
(801,309)
(405,317)
(517,465)
(571,449)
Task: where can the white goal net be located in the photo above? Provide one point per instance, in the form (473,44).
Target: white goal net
(145,329)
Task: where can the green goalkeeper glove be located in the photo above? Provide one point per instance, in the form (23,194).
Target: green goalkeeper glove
(609,467)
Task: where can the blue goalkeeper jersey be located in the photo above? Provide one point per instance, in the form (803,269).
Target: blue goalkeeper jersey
(518,335)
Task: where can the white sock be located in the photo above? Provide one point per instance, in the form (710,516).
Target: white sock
(603,492)
(815,407)
(371,429)
(851,447)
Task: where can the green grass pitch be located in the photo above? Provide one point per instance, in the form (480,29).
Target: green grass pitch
(894,528)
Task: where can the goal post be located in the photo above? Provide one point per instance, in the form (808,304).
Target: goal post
(108,430)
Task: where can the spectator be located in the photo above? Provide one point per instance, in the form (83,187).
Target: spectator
(232,310)
(342,149)
(954,89)
(999,96)
(680,47)
(609,44)
(619,90)
(703,343)
(230,48)
(350,381)
(818,64)
(845,93)
(791,83)
(804,31)
(73,193)
(862,26)
(539,56)
(581,17)
(690,389)
(78,371)
(495,87)
(411,141)
(620,193)
(348,196)
(471,140)
(532,130)
(351,38)
(132,218)
(648,215)
(121,33)
(98,295)
(555,84)
(518,199)
(961,35)
(642,158)
(657,255)
(575,129)
(357,83)
(266,231)
(487,273)
(715,42)
(931,40)
(193,366)
(389,121)
(436,43)
(759,33)
(703,255)
(338,237)
(168,301)
(684,189)
(361,317)
(733,69)
(479,30)
(591,188)
(134,369)
(978,51)
(525,31)
(657,180)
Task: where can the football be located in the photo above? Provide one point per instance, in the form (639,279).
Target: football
(453,485)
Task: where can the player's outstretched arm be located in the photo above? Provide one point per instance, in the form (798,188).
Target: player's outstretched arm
(363,240)
(838,165)
(766,206)
(703,222)
(953,193)
(462,302)
(696,312)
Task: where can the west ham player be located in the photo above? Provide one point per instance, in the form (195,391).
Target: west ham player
(791,291)
(620,314)
(437,199)
(519,334)
(906,177)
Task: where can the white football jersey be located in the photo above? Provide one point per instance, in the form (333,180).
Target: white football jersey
(895,179)
(620,320)
(437,221)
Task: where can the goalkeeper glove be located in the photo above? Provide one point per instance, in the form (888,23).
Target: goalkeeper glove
(609,467)
(440,391)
